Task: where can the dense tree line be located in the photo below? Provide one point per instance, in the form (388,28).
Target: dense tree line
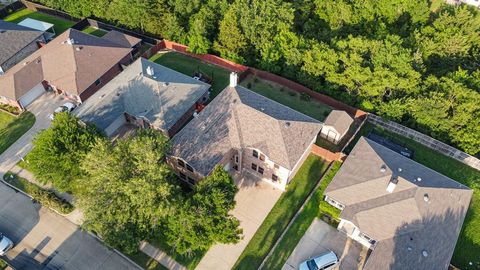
(397,58)
(128,193)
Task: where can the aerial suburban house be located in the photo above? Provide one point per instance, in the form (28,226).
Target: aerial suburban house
(16,43)
(148,95)
(336,126)
(408,215)
(74,64)
(246,133)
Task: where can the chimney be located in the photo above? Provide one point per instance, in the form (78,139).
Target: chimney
(70,41)
(392,184)
(233,79)
(150,71)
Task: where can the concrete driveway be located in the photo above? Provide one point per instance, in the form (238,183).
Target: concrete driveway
(41,108)
(321,237)
(255,199)
(45,240)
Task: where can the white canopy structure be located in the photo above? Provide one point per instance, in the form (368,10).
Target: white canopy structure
(37,25)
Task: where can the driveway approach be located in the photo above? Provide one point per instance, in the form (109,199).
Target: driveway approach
(45,240)
(41,108)
(321,237)
(254,199)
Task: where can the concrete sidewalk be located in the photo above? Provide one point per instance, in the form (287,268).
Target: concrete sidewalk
(160,257)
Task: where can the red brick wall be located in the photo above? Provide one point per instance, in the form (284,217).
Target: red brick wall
(324,153)
(108,76)
(245,71)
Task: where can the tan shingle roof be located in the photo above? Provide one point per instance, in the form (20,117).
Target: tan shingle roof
(340,120)
(394,218)
(240,118)
(72,68)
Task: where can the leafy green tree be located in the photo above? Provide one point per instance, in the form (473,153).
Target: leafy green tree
(204,218)
(128,188)
(59,149)
(230,43)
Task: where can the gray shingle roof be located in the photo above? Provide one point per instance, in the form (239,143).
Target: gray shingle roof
(239,118)
(340,120)
(13,38)
(162,99)
(122,39)
(403,222)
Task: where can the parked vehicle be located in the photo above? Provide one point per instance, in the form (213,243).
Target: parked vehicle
(67,107)
(5,244)
(324,261)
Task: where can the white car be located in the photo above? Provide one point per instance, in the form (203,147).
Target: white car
(324,261)
(5,244)
(67,107)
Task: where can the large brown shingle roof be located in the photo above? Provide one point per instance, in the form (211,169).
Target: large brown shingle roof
(403,222)
(70,67)
(239,118)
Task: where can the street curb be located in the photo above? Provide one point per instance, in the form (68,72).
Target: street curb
(114,249)
(18,190)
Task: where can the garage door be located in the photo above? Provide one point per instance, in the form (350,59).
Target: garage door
(115,125)
(31,95)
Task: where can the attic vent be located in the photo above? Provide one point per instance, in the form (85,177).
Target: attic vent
(150,71)
(235,101)
(262,109)
(287,124)
(424,253)
(419,179)
(165,84)
(102,96)
(383,168)
(399,169)
(2,31)
(425,197)
(70,41)
(79,48)
(26,63)
(392,184)
(38,61)
(409,248)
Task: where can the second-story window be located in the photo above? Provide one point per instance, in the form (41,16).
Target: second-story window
(260,170)
(189,168)
(180,163)
(255,153)
(254,166)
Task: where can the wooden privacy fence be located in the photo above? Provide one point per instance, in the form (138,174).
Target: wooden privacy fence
(426,141)
(11,8)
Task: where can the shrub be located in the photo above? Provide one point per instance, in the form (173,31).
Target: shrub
(9,108)
(292,93)
(45,197)
(249,85)
(305,97)
(256,80)
(282,89)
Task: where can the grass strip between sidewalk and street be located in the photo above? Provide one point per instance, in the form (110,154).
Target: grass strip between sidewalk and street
(284,210)
(45,197)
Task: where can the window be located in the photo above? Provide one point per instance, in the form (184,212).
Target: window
(262,157)
(334,203)
(191,181)
(183,176)
(274,178)
(235,167)
(276,166)
(98,82)
(189,168)
(254,166)
(368,238)
(236,159)
(255,153)
(260,170)
(180,163)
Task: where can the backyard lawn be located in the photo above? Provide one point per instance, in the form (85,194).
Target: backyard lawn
(60,25)
(189,65)
(281,214)
(287,97)
(468,245)
(94,31)
(12,128)
(311,210)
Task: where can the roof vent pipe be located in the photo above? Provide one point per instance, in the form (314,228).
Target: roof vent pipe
(70,41)
(150,71)
(233,79)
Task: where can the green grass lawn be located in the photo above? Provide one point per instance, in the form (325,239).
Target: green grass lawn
(12,128)
(60,25)
(3,264)
(311,210)
(189,261)
(468,244)
(189,65)
(94,31)
(287,97)
(145,261)
(281,214)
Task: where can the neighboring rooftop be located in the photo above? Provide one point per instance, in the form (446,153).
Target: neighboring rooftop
(121,39)
(340,120)
(239,118)
(162,98)
(13,38)
(73,61)
(424,211)
(36,24)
